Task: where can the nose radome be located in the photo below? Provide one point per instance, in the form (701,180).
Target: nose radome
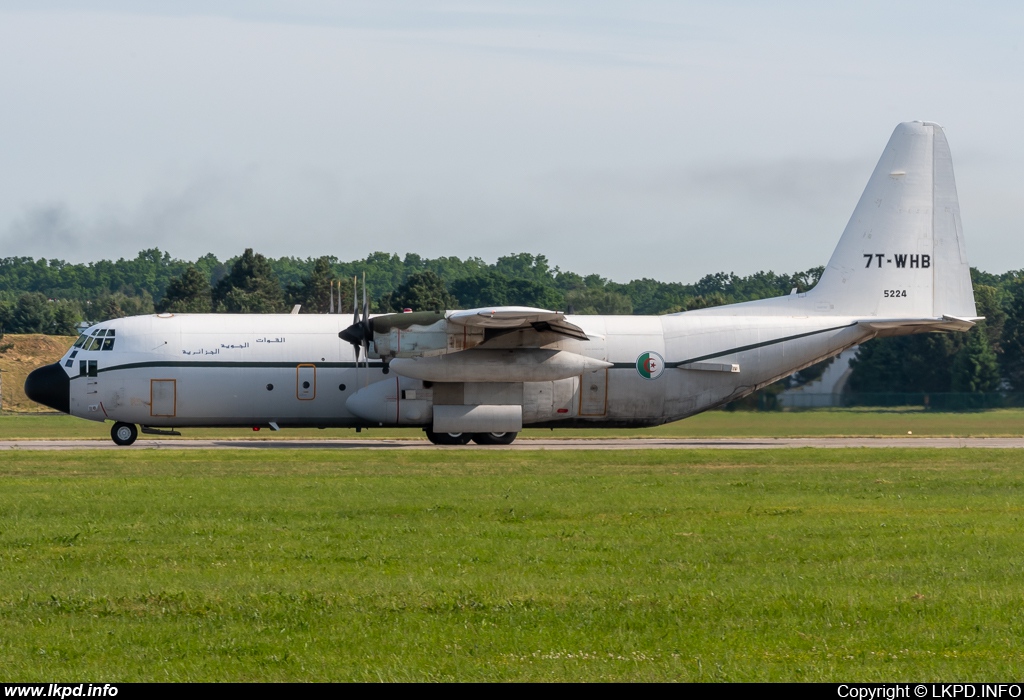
(51,387)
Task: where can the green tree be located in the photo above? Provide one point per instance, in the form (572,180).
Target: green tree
(989,301)
(1012,340)
(422,291)
(251,287)
(112,309)
(975,368)
(905,364)
(31,314)
(598,301)
(315,291)
(491,288)
(119,305)
(6,309)
(188,294)
(66,317)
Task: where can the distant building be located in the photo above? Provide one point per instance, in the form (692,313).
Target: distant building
(826,390)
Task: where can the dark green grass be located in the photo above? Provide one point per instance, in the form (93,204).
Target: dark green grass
(640,565)
(817,423)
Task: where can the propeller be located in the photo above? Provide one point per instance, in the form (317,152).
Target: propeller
(360,332)
(367,326)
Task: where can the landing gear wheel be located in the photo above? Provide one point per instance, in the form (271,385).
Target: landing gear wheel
(124,434)
(494,438)
(448,438)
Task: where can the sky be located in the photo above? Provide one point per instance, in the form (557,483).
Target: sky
(642,139)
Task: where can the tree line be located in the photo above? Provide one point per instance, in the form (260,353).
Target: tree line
(53,296)
(253,283)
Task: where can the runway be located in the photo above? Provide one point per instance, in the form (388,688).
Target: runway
(527,444)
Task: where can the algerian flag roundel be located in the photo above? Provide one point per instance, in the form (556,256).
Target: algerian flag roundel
(650,365)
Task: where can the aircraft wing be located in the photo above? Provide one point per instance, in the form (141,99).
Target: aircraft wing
(516,317)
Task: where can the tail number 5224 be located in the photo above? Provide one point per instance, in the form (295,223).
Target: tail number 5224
(892,293)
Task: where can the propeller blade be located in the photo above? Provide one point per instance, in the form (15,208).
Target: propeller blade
(360,333)
(366,304)
(355,316)
(367,328)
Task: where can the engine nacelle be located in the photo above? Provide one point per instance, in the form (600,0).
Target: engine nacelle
(384,403)
(422,334)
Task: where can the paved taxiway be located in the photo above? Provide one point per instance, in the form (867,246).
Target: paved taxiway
(524,444)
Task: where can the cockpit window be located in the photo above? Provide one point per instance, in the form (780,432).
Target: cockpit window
(99,339)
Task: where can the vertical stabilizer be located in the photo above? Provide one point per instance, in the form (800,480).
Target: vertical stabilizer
(902,254)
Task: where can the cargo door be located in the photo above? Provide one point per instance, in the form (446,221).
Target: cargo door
(163,397)
(305,382)
(594,393)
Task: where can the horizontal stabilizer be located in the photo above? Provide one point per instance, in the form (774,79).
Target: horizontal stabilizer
(946,323)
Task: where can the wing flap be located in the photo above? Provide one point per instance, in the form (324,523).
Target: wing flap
(514,317)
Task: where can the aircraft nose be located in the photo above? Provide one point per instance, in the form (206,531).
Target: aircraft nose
(51,387)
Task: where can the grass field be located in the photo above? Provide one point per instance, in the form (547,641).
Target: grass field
(817,423)
(635,565)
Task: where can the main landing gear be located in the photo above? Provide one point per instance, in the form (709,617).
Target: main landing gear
(464,438)
(494,438)
(124,434)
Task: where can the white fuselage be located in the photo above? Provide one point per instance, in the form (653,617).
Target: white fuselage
(293,370)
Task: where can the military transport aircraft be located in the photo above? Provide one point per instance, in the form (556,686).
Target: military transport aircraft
(482,374)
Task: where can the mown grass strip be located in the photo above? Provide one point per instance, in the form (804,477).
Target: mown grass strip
(637,565)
